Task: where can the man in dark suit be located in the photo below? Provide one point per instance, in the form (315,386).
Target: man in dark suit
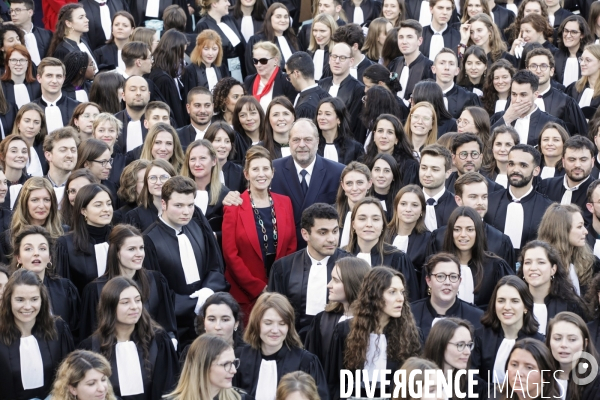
(301,71)
(435,168)
(37,40)
(97,35)
(137,96)
(305,177)
(522,113)
(201,109)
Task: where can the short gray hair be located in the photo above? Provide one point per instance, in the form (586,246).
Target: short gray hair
(310,122)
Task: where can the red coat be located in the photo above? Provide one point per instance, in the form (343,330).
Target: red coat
(50,10)
(245,270)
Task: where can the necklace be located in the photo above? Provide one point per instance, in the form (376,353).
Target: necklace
(262,224)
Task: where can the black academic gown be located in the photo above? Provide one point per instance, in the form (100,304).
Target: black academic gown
(444,207)
(234,176)
(497,243)
(119,215)
(416,250)
(95,36)
(119,163)
(229,51)
(320,333)
(70,90)
(289,276)
(371,9)
(288,360)
(503,18)
(195,75)
(159,304)
(8,87)
(492,185)
(137,8)
(534,207)
(7,199)
(43,37)
(187,134)
(52,351)
(418,70)
(68,46)
(308,101)
(451,39)
(571,90)
(64,301)
(162,254)
(446,125)
(554,189)
(348,149)
(142,217)
(173,97)
(159,374)
(281,86)
(261,37)
(594,327)
(78,267)
(66,105)
(554,305)
(537,120)
(424,314)
(459,98)
(351,92)
(560,62)
(121,143)
(256,24)
(487,342)
(107,55)
(563,107)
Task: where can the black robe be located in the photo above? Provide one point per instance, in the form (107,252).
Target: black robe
(497,243)
(159,374)
(119,215)
(534,207)
(95,36)
(537,120)
(70,90)
(445,126)
(281,86)
(459,98)
(308,101)
(242,144)
(234,176)
(256,24)
(371,9)
(487,342)
(68,46)
(195,75)
(173,97)
(571,90)
(162,254)
(52,351)
(43,37)
(563,107)
(305,32)
(107,55)
(451,38)
(187,134)
(554,189)
(66,105)
(159,304)
(554,305)
(7,199)
(594,327)
(418,70)
(289,276)
(351,92)
(121,143)
(119,163)
(444,207)
(288,360)
(491,185)
(229,51)
(142,217)
(320,333)
(424,314)
(560,62)
(261,37)
(348,149)
(137,8)
(8,87)
(64,302)
(417,250)
(502,19)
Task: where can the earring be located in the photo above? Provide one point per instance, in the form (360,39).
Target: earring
(552,278)
(19,265)
(428,291)
(235,329)
(525,312)
(49,265)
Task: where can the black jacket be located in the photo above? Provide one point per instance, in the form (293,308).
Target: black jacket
(95,36)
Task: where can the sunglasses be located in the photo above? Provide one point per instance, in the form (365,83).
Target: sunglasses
(262,61)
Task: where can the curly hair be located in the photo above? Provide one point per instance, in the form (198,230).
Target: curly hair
(512,32)
(490,95)
(73,369)
(402,333)
(76,63)
(221,91)
(128,181)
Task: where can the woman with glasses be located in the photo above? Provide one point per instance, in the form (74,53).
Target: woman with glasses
(76,180)
(496,89)
(121,28)
(208,65)
(140,352)
(10,35)
(573,35)
(443,278)
(83,119)
(96,156)
(269,80)
(30,124)
(149,199)
(475,120)
(162,142)
(586,91)
(421,127)
(209,369)
(18,83)
(508,318)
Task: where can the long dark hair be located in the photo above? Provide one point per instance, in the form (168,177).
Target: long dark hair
(81,236)
(64,14)
(479,249)
(66,209)
(390,50)
(431,92)
(144,330)
(44,321)
(169,54)
(228,300)
(105,91)
(258,11)
(343,135)
(253,104)
(586,34)
(396,184)
(490,319)
(490,95)
(378,73)
(463,79)
(268,30)
(378,100)
(22,234)
(116,239)
(267,134)
(382,248)
(402,149)
(420,227)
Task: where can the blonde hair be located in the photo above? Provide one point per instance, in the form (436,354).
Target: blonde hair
(484,5)
(73,369)
(432,136)
(215,182)
(270,47)
(106,117)
(177,158)
(297,381)
(497,45)
(207,37)
(329,22)
(583,81)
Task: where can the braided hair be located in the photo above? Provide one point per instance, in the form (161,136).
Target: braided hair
(76,64)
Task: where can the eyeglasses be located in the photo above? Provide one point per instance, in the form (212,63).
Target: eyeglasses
(462,122)
(17,10)
(262,61)
(460,346)
(18,61)
(542,67)
(421,118)
(572,33)
(335,57)
(104,163)
(162,178)
(585,60)
(441,277)
(227,365)
(464,154)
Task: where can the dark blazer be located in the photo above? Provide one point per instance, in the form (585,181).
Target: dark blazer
(70,90)
(229,51)
(187,134)
(537,120)
(67,46)
(451,39)
(242,248)
(322,188)
(281,86)
(175,99)
(444,207)
(306,106)
(564,107)
(121,142)
(66,104)
(560,62)
(351,92)
(95,36)
(261,37)
(234,176)
(107,54)
(371,9)
(459,98)
(43,37)
(419,70)
(195,75)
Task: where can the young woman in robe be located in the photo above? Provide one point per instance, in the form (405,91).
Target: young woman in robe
(33,340)
(81,254)
(355,182)
(122,27)
(421,127)
(30,124)
(378,31)
(14,157)
(83,119)
(508,318)
(573,35)
(140,352)
(226,93)
(381,335)
(107,128)
(96,156)
(163,143)
(280,116)
(274,349)
(501,140)
(144,215)
(323,28)
(346,278)
(496,89)
(224,140)
(76,180)
(249,17)
(130,187)
(586,90)
(533,29)
(79,74)
(18,83)
(248,122)
(481,31)
(208,64)
(473,70)
(125,258)
(550,143)
(385,174)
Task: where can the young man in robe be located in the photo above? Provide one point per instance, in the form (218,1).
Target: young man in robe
(136,95)
(60,150)
(435,168)
(200,107)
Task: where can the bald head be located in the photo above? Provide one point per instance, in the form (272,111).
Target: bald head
(136,93)
(304,141)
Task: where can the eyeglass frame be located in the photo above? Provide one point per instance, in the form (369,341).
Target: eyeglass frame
(104,162)
(156,178)
(567,32)
(17,10)
(335,57)
(474,155)
(227,365)
(20,61)
(470,345)
(542,67)
(446,276)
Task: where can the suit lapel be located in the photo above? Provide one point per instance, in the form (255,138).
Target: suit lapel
(293,183)
(315,184)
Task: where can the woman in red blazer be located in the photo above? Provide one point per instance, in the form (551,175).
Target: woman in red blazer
(256,233)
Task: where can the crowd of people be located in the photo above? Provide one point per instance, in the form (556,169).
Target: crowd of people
(239,200)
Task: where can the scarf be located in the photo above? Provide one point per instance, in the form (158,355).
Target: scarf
(267,87)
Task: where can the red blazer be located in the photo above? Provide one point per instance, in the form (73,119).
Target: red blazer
(245,270)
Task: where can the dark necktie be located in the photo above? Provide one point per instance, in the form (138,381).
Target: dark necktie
(303,183)
(431,201)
